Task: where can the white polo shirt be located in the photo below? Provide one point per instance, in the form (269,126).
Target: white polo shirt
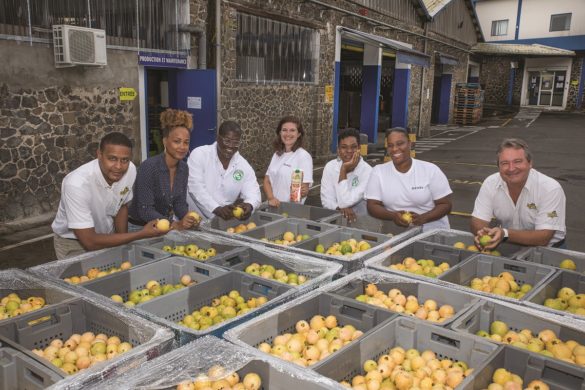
(211,186)
(88,201)
(415,190)
(281,168)
(346,193)
(540,206)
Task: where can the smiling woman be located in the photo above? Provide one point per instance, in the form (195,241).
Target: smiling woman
(408,191)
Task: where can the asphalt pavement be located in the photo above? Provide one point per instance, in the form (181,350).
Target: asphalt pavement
(466,155)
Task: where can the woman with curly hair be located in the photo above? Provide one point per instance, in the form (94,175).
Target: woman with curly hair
(160,189)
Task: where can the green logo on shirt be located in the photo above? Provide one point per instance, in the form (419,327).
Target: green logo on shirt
(124,191)
(238,175)
(531,206)
(355,182)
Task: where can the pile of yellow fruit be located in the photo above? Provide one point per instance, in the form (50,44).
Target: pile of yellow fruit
(94,273)
(313,341)
(567,300)
(241,228)
(503,285)
(546,342)
(191,250)
(288,238)
(12,305)
(221,309)
(504,379)
(474,248)
(409,369)
(268,271)
(152,290)
(82,351)
(344,248)
(218,378)
(396,301)
(422,267)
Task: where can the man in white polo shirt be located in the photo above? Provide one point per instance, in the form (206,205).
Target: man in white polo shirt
(345,179)
(220,178)
(528,206)
(93,212)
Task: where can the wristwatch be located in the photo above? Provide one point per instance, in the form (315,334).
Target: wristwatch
(506,235)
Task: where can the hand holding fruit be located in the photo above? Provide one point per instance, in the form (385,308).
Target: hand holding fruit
(156,227)
(190,220)
(244,210)
(225,212)
(402,218)
(488,238)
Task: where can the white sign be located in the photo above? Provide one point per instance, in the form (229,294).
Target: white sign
(194,102)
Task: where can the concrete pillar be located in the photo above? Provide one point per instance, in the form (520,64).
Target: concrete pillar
(400,94)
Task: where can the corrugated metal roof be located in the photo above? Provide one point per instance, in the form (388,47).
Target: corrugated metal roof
(434,6)
(518,49)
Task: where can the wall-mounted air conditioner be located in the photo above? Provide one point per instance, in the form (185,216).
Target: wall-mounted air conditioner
(79,46)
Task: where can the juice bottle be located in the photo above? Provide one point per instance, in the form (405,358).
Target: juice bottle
(295,185)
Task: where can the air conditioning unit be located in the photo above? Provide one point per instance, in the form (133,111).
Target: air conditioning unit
(79,46)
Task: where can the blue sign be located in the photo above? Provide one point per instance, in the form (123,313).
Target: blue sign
(162,60)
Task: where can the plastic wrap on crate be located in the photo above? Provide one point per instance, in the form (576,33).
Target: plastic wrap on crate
(299,210)
(154,340)
(102,259)
(368,223)
(218,225)
(15,280)
(197,357)
(172,238)
(459,300)
(553,257)
(18,371)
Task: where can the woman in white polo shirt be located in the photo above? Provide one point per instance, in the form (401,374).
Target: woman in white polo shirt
(408,185)
(288,156)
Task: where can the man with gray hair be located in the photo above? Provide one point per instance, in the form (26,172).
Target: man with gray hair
(527,206)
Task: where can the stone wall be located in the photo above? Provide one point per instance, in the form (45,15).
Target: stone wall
(51,122)
(576,69)
(494,76)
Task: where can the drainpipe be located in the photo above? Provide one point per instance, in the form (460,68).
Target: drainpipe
(422,83)
(202,45)
(218,58)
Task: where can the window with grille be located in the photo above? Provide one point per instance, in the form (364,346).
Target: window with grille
(499,27)
(272,51)
(560,22)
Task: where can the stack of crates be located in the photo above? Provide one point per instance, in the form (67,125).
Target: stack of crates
(468,104)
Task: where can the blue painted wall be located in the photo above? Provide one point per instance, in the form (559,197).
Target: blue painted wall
(575,42)
(400,93)
(444,99)
(370,101)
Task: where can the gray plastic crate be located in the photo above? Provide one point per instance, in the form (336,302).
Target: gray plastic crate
(481,265)
(18,371)
(550,288)
(406,333)
(555,373)
(420,250)
(553,257)
(275,230)
(37,329)
(169,309)
(102,260)
(368,223)
(343,234)
(299,210)
(460,301)
(450,237)
(347,311)
(201,242)
(260,218)
(481,316)
(166,271)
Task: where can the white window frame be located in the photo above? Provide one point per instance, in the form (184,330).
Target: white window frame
(496,27)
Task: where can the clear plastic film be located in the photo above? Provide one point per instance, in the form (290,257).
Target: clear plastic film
(215,359)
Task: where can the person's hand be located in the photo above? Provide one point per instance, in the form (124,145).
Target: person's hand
(274,202)
(187,222)
(496,234)
(349,166)
(225,212)
(397,218)
(150,230)
(349,214)
(418,219)
(247,207)
(304,190)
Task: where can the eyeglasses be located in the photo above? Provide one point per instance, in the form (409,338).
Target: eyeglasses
(229,142)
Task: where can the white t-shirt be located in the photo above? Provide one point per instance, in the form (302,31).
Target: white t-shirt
(281,168)
(348,192)
(211,186)
(540,206)
(88,201)
(415,190)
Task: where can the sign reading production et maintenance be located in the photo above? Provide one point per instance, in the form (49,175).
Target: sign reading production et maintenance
(127,94)
(162,60)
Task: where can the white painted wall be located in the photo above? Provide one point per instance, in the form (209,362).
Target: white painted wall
(535,18)
(488,11)
(549,64)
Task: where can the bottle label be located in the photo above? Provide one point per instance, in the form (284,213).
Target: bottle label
(295,185)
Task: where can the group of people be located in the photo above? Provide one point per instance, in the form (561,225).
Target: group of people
(109,202)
